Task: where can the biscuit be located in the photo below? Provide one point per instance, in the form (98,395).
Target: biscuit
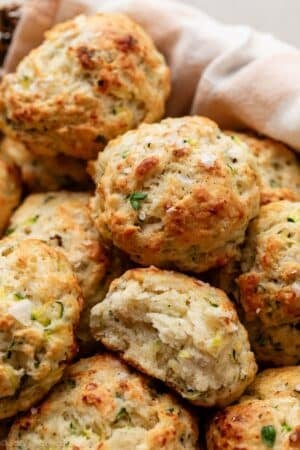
(269,286)
(280,381)
(39,308)
(268,417)
(103,404)
(10,191)
(40,173)
(179,330)
(176,194)
(276,345)
(62,220)
(93,78)
(278,167)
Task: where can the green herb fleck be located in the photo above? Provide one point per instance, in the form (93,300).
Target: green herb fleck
(125,154)
(237,140)
(135,199)
(170,410)
(215,305)
(233,356)
(25,81)
(9,231)
(61,309)
(70,383)
(273,183)
(39,317)
(232,169)
(7,355)
(268,435)
(49,198)
(292,219)
(121,416)
(19,296)
(72,427)
(285,427)
(32,219)
(192,394)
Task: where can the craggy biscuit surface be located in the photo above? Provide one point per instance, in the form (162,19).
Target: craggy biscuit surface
(268,417)
(42,173)
(93,78)
(178,193)
(278,167)
(40,302)
(179,330)
(269,286)
(10,191)
(102,404)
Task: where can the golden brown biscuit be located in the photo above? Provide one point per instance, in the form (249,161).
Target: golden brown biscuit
(270,283)
(40,173)
(39,308)
(179,330)
(93,78)
(178,193)
(269,417)
(62,220)
(278,345)
(10,191)
(278,167)
(101,404)
(279,381)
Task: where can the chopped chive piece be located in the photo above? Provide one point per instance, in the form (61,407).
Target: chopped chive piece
(32,219)
(122,415)
(233,356)
(19,296)
(192,394)
(8,353)
(135,198)
(125,154)
(285,427)
(9,231)
(72,427)
(233,171)
(215,305)
(61,309)
(70,383)
(39,317)
(170,410)
(25,81)
(273,183)
(268,435)
(49,198)
(237,140)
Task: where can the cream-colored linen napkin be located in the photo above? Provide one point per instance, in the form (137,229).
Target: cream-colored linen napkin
(233,74)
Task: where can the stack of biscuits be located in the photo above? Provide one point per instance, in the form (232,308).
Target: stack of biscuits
(149,266)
